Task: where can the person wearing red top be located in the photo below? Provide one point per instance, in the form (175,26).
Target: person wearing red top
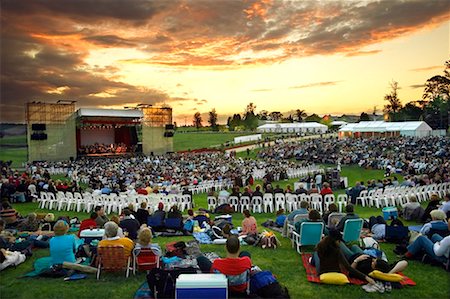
(88,223)
(236,266)
(325,190)
(142,191)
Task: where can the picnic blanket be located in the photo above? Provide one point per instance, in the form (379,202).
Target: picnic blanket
(312,275)
(415,228)
(143,292)
(202,238)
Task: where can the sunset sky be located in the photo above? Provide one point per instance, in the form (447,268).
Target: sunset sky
(321,56)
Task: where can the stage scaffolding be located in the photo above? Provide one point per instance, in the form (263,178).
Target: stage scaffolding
(59,120)
(154,124)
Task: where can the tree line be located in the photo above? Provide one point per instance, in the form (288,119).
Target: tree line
(432,108)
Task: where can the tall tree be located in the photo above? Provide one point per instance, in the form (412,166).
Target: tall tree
(212,119)
(234,122)
(437,92)
(394,105)
(275,115)
(197,120)
(300,115)
(250,108)
(263,114)
(364,117)
(313,118)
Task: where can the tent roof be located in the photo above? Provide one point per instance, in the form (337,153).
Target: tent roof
(110,113)
(292,125)
(338,123)
(381,126)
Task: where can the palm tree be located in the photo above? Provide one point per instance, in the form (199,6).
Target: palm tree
(300,114)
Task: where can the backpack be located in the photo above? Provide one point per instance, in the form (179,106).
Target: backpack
(265,285)
(396,232)
(162,282)
(175,249)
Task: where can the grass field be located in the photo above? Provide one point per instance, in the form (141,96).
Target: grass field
(19,140)
(17,155)
(196,140)
(284,262)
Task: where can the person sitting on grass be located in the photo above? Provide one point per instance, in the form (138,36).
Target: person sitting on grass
(62,245)
(445,207)
(281,218)
(145,241)
(313,216)
(129,224)
(249,225)
(113,239)
(89,223)
(142,213)
(350,215)
(30,224)
(432,205)
(234,266)
(329,257)
(412,209)
(9,214)
(436,248)
(437,224)
(101,217)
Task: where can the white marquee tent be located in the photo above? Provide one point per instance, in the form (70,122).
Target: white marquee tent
(381,128)
(308,127)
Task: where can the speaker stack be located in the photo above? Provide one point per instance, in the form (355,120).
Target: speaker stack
(38,132)
(169,131)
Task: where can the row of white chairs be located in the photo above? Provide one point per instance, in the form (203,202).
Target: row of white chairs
(392,196)
(111,203)
(273,202)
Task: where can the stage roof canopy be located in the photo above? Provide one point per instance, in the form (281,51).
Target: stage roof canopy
(93,112)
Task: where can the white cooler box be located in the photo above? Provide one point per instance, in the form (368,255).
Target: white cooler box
(92,234)
(201,286)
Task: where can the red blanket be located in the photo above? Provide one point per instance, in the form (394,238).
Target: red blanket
(312,275)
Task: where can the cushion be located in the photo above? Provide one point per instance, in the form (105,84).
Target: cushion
(334,278)
(385,276)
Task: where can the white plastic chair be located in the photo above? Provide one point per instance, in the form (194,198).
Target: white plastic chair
(268,202)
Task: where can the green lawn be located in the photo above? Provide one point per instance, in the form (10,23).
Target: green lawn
(19,140)
(17,155)
(196,140)
(284,262)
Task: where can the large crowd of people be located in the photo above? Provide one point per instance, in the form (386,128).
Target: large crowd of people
(420,161)
(405,155)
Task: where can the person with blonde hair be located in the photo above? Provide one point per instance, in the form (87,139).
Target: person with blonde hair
(437,222)
(145,241)
(62,245)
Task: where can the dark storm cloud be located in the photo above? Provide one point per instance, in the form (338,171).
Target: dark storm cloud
(45,44)
(109,41)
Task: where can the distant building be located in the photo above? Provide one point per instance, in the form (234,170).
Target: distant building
(307,127)
(385,129)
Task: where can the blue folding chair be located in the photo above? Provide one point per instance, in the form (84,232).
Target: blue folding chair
(310,234)
(352,230)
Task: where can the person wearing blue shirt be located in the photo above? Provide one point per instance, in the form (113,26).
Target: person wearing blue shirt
(62,246)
